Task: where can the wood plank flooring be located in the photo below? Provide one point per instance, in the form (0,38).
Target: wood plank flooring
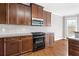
(58,49)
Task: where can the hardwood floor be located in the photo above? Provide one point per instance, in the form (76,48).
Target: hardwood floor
(44,52)
(58,49)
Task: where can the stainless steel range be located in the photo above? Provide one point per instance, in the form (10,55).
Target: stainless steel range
(38,40)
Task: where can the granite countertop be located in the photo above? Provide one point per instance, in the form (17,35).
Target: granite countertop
(73,38)
(3,35)
(76,31)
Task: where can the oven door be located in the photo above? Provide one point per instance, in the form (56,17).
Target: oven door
(39,43)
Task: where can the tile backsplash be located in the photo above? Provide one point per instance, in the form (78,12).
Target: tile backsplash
(5,28)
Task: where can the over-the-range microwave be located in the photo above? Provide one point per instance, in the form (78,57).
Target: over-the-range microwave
(37,22)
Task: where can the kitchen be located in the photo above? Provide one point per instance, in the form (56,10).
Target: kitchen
(27,28)
(16,28)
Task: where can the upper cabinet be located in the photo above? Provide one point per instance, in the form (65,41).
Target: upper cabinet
(11,13)
(28,15)
(40,12)
(47,18)
(15,13)
(2,13)
(20,14)
(37,11)
(34,10)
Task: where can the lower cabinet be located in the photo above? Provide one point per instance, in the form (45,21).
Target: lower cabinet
(26,44)
(13,46)
(49,39)
(1,47)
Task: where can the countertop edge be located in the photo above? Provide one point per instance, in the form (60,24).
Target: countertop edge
(73,38)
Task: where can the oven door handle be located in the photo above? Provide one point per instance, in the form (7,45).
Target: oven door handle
(39,37)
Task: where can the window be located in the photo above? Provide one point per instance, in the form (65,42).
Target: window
(70,26)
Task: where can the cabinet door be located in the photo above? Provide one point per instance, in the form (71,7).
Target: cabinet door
(12,46)
(48,19)
(47,40)
(20,14)
(45,18)
(12,13)
(27,15)
(51,39)
(2,13)
(34,11)
(1,47)
(26,44)
(40,12)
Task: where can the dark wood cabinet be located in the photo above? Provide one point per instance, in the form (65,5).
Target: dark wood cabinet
(73,47)
(49,40)
(12,46)
(37,11)
(3,13)
(47,18)
(28,15)
(15,13)
(40,12)
(1,47)
(34,10)
(26,44)
(12,13)
(20,14)
(8,13)
(23,14)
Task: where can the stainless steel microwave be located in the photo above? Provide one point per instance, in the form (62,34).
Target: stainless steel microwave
(37,22)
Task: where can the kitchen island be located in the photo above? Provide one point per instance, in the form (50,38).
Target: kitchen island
(73,46)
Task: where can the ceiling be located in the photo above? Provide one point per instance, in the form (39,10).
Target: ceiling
(61,9)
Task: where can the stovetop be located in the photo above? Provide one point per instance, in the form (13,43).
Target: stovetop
(38,33)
